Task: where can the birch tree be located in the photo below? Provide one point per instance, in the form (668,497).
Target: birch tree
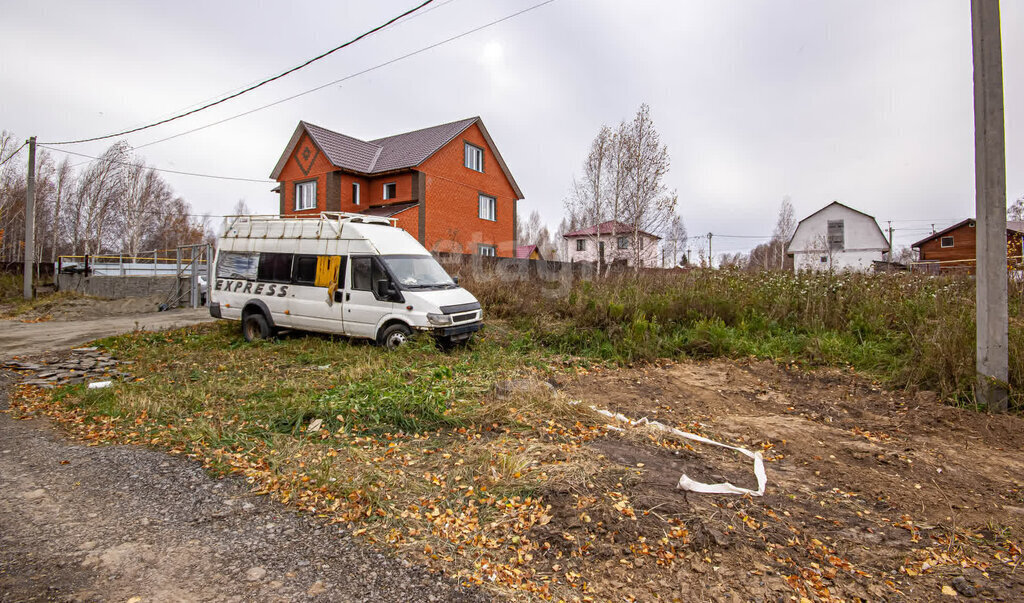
(785,226)
(588,203)
(648,204)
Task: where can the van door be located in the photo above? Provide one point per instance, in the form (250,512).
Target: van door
(363,309)
(312,302)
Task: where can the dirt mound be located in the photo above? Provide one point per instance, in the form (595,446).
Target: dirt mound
(872,494)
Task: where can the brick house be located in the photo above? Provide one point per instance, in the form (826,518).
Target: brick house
(955,248)
(612,242)
(446,185)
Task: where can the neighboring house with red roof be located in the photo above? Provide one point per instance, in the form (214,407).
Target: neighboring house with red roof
(446,185)
(955,248)
(612,242)
(528,252)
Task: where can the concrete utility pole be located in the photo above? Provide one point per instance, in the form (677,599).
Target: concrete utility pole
(30,218)
(890,241)
(990,205)
(711,258)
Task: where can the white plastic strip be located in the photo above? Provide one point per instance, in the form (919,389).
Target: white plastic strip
(685,482)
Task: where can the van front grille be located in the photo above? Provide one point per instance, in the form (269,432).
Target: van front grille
(464,317)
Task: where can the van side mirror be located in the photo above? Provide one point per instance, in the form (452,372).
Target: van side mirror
(384,289)
(455,280)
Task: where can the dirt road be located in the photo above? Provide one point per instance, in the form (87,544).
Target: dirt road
(110,523)
(26,339)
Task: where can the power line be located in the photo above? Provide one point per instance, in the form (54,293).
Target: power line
(254,86)
(155,169)
(16,151)
(351,76)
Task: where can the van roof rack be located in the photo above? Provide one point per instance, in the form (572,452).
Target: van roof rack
(335,216)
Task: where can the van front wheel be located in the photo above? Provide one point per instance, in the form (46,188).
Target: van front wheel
(394,336)
(254,326)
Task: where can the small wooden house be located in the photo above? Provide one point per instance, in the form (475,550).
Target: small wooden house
(954,249)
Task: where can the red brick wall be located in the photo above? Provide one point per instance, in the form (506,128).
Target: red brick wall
(452,199)
(409,221)
(376,190)
(346,193)
(300,168)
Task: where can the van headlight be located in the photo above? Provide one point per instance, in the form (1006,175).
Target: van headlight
(441,320)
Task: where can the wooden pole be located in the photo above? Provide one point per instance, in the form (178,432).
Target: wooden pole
(990,204)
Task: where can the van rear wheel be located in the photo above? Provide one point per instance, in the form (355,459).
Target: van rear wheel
(394,336)
(255,327)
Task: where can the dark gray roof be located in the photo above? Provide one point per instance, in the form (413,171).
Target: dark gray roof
(386,211)
(398,152)
(344,151)
(412,148)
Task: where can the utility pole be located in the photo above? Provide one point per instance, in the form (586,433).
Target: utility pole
(711,258)
(890,240)
(990,206)
(30,218)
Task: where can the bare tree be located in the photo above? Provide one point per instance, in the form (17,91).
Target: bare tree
(1016,210)
(648,204)
(588,202)
(785,226)
(676,237)
(241,208)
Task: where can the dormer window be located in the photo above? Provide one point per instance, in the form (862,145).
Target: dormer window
(474,157)
(390,190)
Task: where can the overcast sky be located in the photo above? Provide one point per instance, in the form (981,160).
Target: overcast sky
(864,102)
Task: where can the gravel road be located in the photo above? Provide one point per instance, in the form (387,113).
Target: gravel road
(24,339)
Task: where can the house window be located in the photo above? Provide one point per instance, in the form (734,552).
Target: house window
(824,259)
(487,250)
(946,242)
(836,237)
(474,157)
(488,208)
(623,242)
(390,190)
(355,193)
(581,245)
(305,195)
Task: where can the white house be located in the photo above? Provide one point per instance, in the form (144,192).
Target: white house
(612,241)
(837,237)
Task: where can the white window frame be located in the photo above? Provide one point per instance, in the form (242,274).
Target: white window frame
(622,242)
(490,210)
(942,241)
(355,193)
(384,194)
(581,244)
(473,157)
(487,250)
(305,195)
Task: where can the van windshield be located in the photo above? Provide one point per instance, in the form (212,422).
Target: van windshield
(418,272)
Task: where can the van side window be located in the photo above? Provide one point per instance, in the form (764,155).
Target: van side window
(232,264)
(361,274)
(275,267)
(365,272)
(305,269)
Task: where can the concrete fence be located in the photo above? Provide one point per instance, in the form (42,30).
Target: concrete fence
(116,287)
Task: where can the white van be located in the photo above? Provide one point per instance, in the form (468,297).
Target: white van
(348,274)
